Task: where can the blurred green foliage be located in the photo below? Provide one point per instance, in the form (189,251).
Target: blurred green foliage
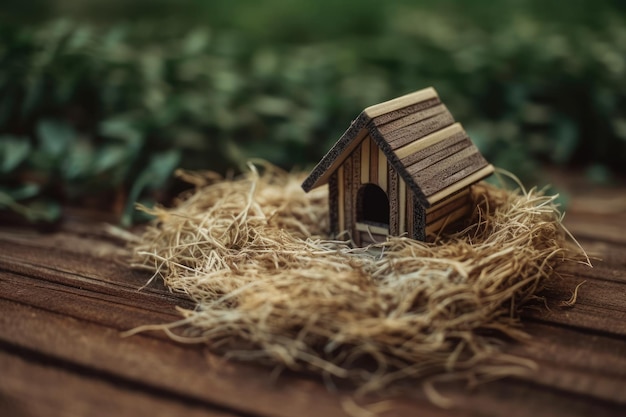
(101,101)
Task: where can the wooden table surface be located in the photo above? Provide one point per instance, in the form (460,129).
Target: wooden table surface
(66,296)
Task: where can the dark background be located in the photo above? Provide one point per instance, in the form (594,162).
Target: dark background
(101,100)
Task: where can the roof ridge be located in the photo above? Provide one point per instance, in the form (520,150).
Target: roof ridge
(400,102)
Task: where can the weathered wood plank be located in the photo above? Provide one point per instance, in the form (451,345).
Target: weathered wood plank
(394,196)
(365,160)
(609,229)
(426,157)
(428,141)
(402,206)
(522,398)
(65,257)
(64,298)
(382,170)
(446,206)
(52,389)
(349,207)
(599,307)
(333,204)
(401,106)
(418,131)
(575,361)
(373,162)
(121,311)
(411,119)
(190,372)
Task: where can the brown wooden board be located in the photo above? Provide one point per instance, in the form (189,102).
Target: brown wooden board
(395,114)
(55,389)
(423,159)
(446,220)
(411,118)
(348,186)
(373,162)
(65,297)
(417,131)
(394,221)
(333,204)
(355,185)
(453,171)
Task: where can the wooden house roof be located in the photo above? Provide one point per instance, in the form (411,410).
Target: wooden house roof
(422,142)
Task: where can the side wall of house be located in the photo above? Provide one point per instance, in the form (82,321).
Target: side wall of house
(448,211)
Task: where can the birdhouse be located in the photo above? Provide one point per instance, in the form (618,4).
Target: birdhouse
(403,167)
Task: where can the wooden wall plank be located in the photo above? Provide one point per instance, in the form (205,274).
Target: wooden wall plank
(356,172)
(444,221)
(409,214)
(402,204)
(445,207)
(394,188)
(373,162)
(341,181)
(419,220)
(349,214)
(459,185)
(365,160)
(382,170)
(333,204)
(354,188)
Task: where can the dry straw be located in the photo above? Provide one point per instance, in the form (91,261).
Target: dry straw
(253,253)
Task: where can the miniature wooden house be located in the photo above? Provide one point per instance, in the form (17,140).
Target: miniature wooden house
(403,166)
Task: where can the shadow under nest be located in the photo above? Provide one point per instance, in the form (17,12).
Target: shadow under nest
(271,287)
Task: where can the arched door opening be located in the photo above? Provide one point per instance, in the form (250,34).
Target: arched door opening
(372,206)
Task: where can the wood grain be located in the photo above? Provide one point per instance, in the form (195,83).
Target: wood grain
(373,162)
(65,298)
(412,118)
(394,188)
(54,389)
(365,159)
(407,103)
(333,204)
(418,131)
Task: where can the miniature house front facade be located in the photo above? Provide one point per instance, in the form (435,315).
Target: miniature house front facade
(403,167)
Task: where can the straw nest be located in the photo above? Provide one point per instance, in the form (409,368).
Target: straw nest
(270,286)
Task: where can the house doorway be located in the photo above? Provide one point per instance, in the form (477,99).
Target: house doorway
(372,206)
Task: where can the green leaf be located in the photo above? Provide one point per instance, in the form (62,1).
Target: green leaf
(196,41)
(153,176)
(79,161)
(124,128)
(21,192)
(110,156)
(55,137)
(566,136)
(42,210)
(34,211)
(13,151)
(599,174)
